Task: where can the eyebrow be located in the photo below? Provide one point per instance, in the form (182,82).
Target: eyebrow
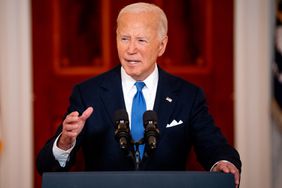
(138,37)
(143,38)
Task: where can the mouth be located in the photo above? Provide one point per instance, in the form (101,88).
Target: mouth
(132,61)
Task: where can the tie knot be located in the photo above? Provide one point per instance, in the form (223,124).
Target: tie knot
(139,85)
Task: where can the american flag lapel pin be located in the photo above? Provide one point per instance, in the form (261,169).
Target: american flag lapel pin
(168,99)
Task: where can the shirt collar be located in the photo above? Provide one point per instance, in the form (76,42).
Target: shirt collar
(150,82)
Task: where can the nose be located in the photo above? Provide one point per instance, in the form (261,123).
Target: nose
(131,47)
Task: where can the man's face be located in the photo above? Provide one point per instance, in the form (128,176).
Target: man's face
(139,44)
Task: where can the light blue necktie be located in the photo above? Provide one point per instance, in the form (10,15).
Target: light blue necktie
(137,111)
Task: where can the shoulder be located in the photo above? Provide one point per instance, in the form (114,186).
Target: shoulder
(100,80)
(177,82)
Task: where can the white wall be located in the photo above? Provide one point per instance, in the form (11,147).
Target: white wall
(16,169)
(253,44)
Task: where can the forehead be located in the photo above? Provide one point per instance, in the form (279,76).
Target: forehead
(147,21)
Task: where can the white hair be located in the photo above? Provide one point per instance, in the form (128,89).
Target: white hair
(147,7)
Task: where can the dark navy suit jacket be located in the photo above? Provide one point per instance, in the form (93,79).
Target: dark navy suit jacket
(97,140)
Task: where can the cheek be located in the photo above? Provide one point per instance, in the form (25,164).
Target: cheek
(151,54)
(120,50)
(119,47)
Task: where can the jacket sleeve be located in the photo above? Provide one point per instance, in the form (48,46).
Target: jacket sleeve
(210,144)
(46,161)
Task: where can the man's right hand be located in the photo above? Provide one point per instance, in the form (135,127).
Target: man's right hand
(72,126)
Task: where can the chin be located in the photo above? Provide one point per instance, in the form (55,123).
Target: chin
(134,75)
(132,71)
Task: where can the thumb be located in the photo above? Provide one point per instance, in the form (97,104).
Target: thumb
(85,115)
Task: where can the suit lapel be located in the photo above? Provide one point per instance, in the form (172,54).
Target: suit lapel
(165,98)
(111,92)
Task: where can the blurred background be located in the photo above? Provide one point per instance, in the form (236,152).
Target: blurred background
(230,48)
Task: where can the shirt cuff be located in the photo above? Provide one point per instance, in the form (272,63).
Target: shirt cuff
(62,156)
(225,161)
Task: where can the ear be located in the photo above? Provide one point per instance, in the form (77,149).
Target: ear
(162,46)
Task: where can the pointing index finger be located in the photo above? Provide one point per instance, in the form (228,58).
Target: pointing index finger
(86,114)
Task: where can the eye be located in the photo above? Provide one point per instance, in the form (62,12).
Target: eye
(124,39)
(142,41)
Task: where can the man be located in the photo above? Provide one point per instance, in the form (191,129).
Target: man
(183,118)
